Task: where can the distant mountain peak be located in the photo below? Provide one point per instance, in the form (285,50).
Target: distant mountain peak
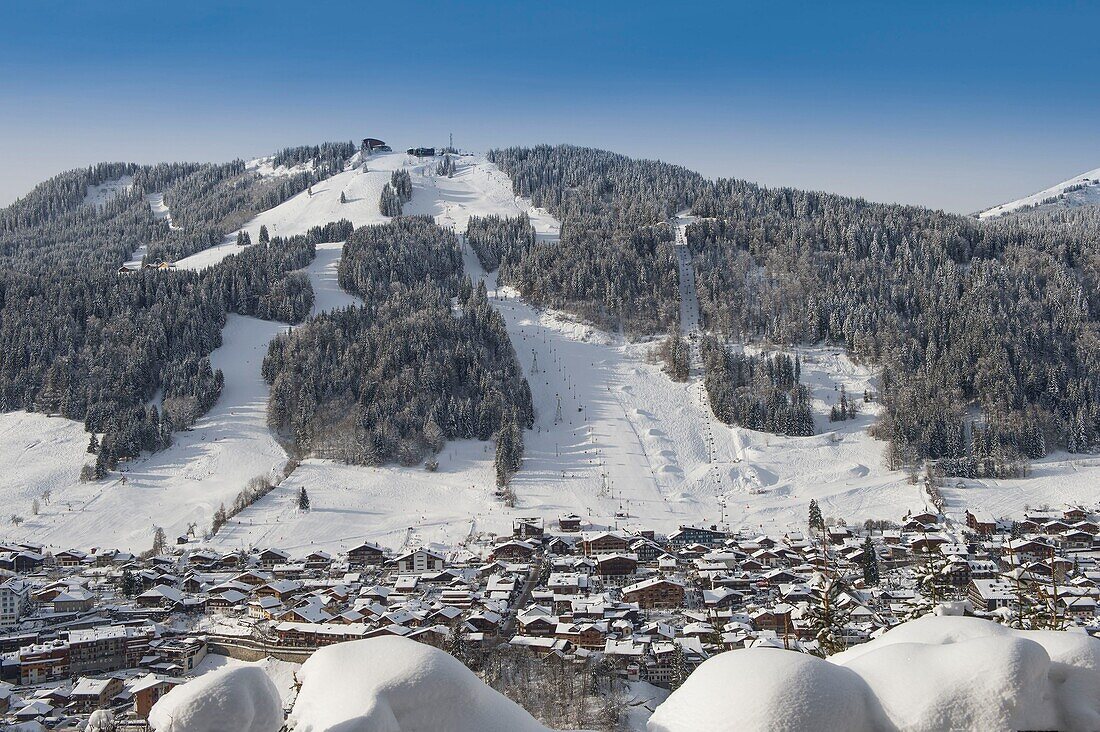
(1081,190)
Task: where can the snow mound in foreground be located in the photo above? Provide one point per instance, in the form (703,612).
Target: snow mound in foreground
(938,672)
(242,699)
(765,689)
(392,684)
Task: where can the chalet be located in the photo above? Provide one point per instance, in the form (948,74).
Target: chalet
(91,694)
(1074,514)
(1025,551)
(1074,540)
(281,590)
(536,623)
(655,593)
(70,558)
(318,560)
(697,535)
(558,545)
(604,542)
(270,557)
(528,528)
(421,560)
(514,550)
(569,524)
(366,554)
(373,144)
(147,691)
(776,619)
(568,583)
(981,521)
(253,578)
(264,608)
(585,634)
(75,600)
(991,594)
(617,565)
(421,152)
(160,596)
(22,562)
(647,550)
(226,601)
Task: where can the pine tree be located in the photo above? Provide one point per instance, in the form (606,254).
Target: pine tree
(93,445)
(817,521)
(825,617)
(343,198)
(458,643)
(219,520)
(160,541)
(679,667)
(129,584)
(264,237)
(303,500)
(433,434)
(870,563)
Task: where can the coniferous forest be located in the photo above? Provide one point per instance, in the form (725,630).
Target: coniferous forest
(986,333)
(424,360)
(80,339)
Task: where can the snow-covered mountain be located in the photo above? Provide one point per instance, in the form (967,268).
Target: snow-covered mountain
(1081,190)
(614,440)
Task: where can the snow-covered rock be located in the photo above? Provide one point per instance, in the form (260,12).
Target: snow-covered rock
(938,672)
(393,684)
(242,699)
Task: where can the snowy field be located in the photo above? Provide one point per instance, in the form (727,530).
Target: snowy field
(629,447)
(99,195)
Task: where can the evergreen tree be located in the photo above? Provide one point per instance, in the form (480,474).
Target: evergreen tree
(679,666)
(129,584)
(93,445)
(816,520)
(458,642)
(343,198)
(870,563)
(160,541)
(264,238)
(303,500)
(825,616)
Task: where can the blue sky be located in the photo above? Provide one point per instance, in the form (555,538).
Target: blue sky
(954,105)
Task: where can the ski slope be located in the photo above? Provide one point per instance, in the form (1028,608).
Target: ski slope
(629,447)
(1085,192)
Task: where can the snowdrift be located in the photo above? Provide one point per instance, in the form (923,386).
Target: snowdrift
(393,684)
(242,699)
(935,673)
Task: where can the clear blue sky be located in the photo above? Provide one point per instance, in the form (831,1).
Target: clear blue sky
(957,105)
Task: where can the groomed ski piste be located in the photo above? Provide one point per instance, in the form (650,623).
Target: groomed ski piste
(629,448)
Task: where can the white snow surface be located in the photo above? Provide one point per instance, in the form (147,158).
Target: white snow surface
(242,699)
(935,673)
(1087,194)
(393,684)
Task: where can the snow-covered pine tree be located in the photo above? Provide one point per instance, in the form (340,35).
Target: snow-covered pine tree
(870,563)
